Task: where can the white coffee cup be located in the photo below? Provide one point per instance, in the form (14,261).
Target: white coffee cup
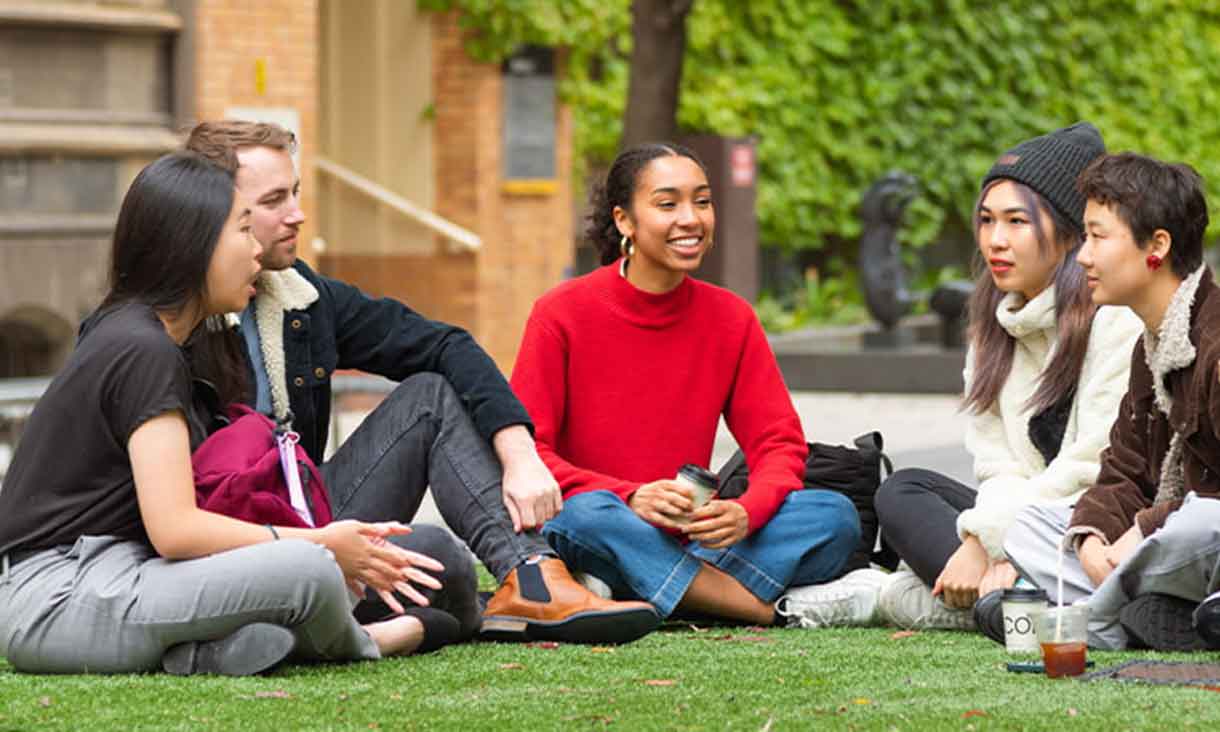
(703,485)
(1022,606)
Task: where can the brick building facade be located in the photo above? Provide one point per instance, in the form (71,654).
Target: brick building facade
(526,236)
(373,87)
(256,55)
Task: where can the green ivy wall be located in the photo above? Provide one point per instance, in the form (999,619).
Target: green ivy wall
(840,92)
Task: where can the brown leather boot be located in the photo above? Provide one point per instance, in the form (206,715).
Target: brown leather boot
(539,600)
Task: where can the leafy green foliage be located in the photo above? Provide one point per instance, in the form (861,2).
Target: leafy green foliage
(840,92)
(834,299)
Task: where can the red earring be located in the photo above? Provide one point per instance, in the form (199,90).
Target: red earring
(1154,262)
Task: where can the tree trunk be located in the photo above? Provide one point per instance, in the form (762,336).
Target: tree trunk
(658,32)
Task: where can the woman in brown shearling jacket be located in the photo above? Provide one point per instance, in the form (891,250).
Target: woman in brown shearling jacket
(1144,542)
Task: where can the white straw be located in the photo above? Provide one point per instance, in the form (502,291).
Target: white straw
(1059,613)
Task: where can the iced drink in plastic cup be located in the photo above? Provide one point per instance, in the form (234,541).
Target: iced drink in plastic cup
(1063,633)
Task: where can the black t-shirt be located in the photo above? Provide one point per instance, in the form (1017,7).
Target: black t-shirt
(71,475)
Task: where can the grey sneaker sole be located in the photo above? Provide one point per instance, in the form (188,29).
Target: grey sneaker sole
(1162,622)
(249,650)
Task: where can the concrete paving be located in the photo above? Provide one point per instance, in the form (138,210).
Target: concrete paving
(920,431)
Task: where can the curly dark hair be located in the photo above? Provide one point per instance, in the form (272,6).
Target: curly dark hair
(618,189)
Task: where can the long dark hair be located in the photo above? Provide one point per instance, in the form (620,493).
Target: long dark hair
(1074,310)
(618,189)
(167,230)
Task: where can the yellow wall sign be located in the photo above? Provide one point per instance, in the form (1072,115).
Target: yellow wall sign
(530,187)
(260,76)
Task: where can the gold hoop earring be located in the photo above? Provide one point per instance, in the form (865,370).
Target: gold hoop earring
(626,247)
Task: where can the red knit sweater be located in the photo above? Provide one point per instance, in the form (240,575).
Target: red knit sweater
(625,386)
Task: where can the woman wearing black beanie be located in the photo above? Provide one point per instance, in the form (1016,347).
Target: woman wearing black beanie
(1044,375)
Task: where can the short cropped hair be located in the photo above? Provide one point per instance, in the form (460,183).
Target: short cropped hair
(1147,195)
(219,141)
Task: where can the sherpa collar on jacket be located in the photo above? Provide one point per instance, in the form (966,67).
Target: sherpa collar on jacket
(278,291)
(1127,490)
(1167,350)
(1020,318)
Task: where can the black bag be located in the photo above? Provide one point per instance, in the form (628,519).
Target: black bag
(856,473)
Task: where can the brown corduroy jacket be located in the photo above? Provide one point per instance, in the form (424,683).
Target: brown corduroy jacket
(1126,487)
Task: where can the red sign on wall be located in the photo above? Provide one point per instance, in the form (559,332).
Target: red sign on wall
(741,163)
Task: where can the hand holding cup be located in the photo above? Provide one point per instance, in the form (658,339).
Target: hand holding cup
(662,503)
(669,504)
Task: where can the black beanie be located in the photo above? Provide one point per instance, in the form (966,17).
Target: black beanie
(1050,165)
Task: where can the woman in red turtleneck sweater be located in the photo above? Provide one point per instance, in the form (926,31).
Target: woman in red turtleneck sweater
(626,372)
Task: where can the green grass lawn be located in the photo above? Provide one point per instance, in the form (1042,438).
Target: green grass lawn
(676,679)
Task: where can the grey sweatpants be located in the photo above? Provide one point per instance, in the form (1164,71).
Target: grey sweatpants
(108,605)
(1181,559)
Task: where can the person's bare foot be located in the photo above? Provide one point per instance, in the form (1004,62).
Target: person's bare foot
(398,636)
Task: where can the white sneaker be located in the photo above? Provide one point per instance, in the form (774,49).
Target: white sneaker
(908,603)
(594,585)
(849,600)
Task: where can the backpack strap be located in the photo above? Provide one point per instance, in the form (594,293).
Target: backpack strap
(736,461)
(869,442)
(872,443)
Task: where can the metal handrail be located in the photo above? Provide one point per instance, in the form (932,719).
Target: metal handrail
(467,240)
(22,391)
(27,391)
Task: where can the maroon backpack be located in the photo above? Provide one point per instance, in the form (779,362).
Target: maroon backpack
(246,468)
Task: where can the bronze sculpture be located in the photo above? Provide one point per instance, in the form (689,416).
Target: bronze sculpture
(882,274)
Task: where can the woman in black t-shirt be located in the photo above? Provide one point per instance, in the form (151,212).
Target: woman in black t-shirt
(106,563)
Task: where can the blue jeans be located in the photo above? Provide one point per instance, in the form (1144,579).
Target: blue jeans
(807,541)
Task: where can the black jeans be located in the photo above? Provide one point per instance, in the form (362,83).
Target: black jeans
(421,436)
(918,510)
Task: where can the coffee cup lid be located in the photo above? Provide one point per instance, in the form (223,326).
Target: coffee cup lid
(700,475)
(1024,593)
